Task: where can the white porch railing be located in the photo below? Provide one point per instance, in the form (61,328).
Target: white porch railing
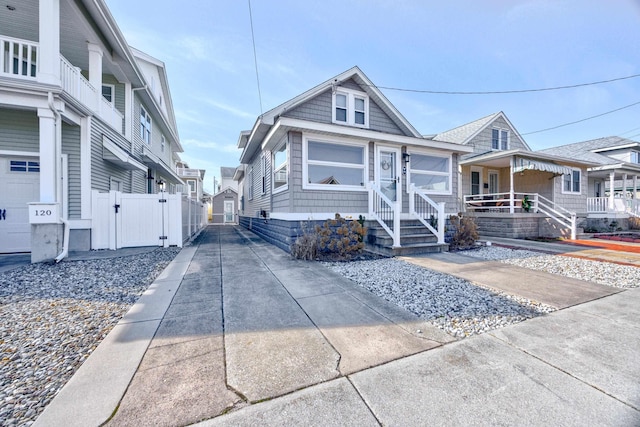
(633,207)
(383,210)
(428,212)
(556,212)
(597,204)
(18,58)
(499,201)
(620,205)
(74,83)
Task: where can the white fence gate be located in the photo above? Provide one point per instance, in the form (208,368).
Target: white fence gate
(130,220)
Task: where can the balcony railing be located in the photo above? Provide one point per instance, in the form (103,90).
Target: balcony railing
(188,172)
(18,58)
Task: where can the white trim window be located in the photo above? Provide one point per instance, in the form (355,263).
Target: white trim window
(635,157)
(192,185)
(571,182)
(430,173)
(499,139)
(250,191)
(263,173)
(350,107)
(280,161)
(109,93)
(162,143)
(334,164)
(145,126)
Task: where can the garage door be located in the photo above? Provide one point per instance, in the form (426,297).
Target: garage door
(20,185)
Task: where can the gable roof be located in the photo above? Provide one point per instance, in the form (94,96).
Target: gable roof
(227,172)
(465,133)
(591,150)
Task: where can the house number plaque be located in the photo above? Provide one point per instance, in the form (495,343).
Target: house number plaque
(44,213)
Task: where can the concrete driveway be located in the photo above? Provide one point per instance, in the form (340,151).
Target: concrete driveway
(234,332)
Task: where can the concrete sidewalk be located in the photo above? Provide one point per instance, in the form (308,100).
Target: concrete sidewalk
(237,333)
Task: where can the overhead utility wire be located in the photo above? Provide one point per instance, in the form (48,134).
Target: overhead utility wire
(497,92)
(255,56)
(581,120)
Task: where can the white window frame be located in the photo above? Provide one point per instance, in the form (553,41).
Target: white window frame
(635,157)
(194,188)
(339,141)
(351,105)
(162,143)
(250,177)
(410,171)
(277,168)
(572,191)
(113,93)
(146,125)
(263,173)
(30,166)
(501,143)
(480,172)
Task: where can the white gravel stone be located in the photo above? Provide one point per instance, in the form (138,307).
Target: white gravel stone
(53,316)
(450,303)
(604,273)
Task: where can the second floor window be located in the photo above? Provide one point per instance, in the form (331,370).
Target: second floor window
(145,126)
(351,108)
(500,139)
(162,143)
(108,93)
(192,185)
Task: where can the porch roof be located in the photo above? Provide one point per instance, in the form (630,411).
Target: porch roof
(116,155)
(151,159)
(531,160)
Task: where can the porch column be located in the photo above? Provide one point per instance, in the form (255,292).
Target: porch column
(635,187)
(85,167)
(95,66)
(624,188)
(49,42)
(511,195)
(128,112)
(612,188)
(48,160)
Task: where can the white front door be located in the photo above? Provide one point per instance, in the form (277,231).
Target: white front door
(20,185)
(388,173)
(228,211)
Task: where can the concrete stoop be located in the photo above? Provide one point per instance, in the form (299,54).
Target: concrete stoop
(415,239)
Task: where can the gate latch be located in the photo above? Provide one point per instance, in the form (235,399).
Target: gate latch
(117,207)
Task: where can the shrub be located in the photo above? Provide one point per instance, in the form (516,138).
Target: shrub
(306,246)
(465,234)
(341,239)
(634,223)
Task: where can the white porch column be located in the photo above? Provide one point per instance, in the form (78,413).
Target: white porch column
(95,66)
(624,188)
(48,161)
(49,41)
(612,188)
(128,111)
(635,187)
(511,195)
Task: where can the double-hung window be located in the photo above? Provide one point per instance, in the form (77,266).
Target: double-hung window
(145,126)
(499,139)
(351,108)
(571,182)
(430,173)
(280,167)
(635,157)
(250,191)
(330,164)
(108,92)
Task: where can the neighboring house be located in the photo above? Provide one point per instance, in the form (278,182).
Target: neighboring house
(513,191)
(612,187)
(80,112)
(193,179)
(225,201)
(342,147)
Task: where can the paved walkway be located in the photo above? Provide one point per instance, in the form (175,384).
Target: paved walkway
(236,333)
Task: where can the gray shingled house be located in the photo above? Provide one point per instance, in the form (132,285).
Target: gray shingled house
(342,147)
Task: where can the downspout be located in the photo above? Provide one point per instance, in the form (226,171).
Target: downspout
(58,154)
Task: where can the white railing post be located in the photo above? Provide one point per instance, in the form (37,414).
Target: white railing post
(441,222)
(371,202)
(512,201)
(396,226)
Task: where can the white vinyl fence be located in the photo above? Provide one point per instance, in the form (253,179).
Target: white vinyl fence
(121,220)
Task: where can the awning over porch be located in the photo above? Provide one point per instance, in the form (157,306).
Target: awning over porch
(522,164)
(114,154)
(152,160)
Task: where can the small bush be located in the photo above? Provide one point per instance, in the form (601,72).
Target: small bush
(465,234)
(341,239)
(306,246)
(634,223)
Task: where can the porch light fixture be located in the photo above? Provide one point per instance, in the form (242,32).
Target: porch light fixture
(161,184)
(405,157)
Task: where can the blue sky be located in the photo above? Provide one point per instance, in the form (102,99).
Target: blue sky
(491,45)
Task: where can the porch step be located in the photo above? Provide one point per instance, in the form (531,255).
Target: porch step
(415,238)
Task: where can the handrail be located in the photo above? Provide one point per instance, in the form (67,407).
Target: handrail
(428,212)
(18,58)
(549,208)
(494,201)
(383,210)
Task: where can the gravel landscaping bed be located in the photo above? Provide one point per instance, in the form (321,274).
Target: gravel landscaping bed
(448,302)
(604,273)
(53,316)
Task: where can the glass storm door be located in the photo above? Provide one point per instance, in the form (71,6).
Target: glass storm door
(228,211)
(388,172)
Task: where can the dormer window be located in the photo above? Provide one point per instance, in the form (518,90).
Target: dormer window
(499,139)
(350,108)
